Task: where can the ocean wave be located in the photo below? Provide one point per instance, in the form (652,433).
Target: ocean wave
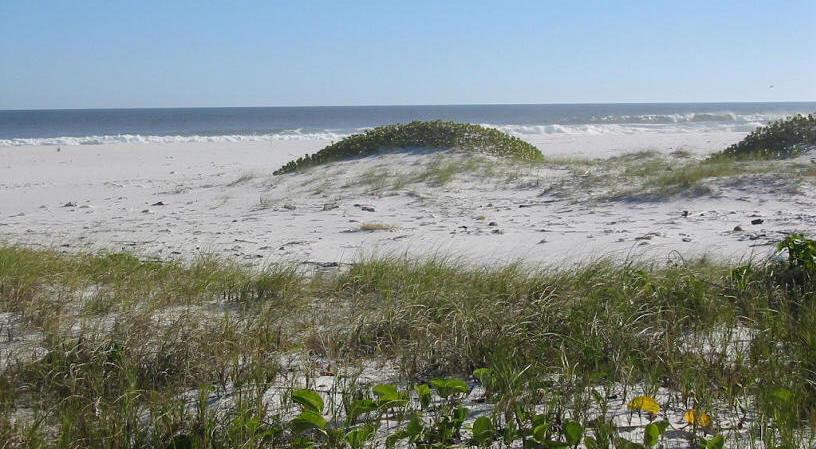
(724,117)
(137,138)
(606,125)
(621,129)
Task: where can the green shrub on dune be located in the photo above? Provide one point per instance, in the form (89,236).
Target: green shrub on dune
(780,139)
(436,135)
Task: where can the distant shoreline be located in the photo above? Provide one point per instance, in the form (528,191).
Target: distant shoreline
(92,126)
(323,106)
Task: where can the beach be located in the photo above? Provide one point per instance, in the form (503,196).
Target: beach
(622,275)
(407,225)
(183,200)
(375,271)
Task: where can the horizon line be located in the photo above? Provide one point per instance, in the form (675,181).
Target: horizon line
(403,105)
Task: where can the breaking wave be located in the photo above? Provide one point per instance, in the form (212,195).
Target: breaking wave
(620,129)
(137,138)
(621,124)
(693,122)
(691,117)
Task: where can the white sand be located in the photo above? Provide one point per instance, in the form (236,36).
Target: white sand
(221,198)
(264,218)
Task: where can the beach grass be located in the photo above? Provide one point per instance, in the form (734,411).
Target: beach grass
(140,353)
(651,176)
(636,176)
(474,153)
(371,227)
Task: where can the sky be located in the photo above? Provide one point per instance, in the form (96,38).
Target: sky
(174,53)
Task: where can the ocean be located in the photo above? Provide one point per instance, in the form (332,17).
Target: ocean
(97,126)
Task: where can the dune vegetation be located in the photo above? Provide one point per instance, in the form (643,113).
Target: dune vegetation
(431,135)
(639,176)
(113,351)
(110,351)
(779,139)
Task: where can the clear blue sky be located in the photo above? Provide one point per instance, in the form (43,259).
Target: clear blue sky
(118,53)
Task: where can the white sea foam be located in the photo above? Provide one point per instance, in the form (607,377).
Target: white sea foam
(623,129)
(691,117)
(137,138)
(681,123)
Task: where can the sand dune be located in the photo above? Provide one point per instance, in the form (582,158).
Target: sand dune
(180,200)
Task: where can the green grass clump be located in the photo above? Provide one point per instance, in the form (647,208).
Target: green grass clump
(777,140)
(197,353)
(651,176)
(437,135)
(686,178)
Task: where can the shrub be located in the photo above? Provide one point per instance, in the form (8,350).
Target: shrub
(425,135)
(779,139)
(801,252)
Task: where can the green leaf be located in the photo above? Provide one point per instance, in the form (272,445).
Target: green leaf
(651,436)
(357,437)
(449,387)
(424,393)
(483,430)
(484,375)
(573,432)
(591,443)
(361,407)
(307,420)
(662,426)
(460,415)
(389,396)
(385,391)
(540,419)
(716,442)
(309,400)
(541,432)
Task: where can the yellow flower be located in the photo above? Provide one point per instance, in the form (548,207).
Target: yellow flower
(702,419)
(644,404)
